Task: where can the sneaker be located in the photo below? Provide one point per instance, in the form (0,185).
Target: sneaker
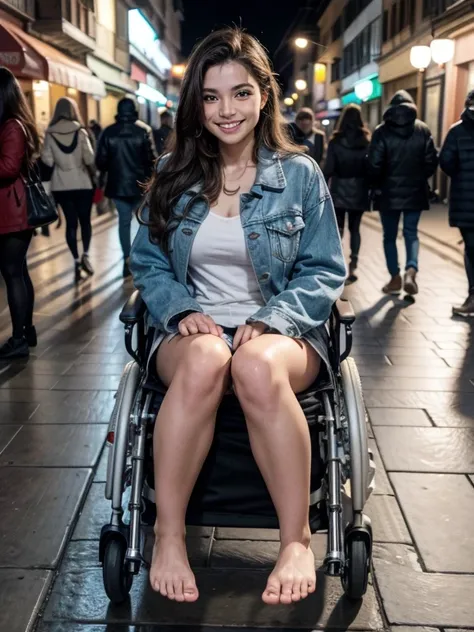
(409,282)
(78,272)
(14,348)
(30,335)
(86,265)
(126,269)
(394,286)
(466,309)
(352,278)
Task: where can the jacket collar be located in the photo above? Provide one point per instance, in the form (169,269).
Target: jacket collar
(270,174)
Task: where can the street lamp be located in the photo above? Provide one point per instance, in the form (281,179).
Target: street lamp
(420,57)
(301,85)
(295,96)
(301,42)
(442,51)
(288,101)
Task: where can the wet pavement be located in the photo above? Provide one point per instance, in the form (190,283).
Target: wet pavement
(417,368)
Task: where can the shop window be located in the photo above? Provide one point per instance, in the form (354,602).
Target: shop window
(122,21)
(428,8)
(337,29)
(403,14)
(412,14)
(375,43)
(393,20)
(336,70)
(385,27)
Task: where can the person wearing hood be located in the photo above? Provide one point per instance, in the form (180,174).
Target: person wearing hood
(67,148)
(126,152)
(303,131)
(345,170)
(402,157)
(457,161)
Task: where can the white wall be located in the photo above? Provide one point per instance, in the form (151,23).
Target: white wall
(368,15)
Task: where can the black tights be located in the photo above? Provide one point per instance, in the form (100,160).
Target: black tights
(20,292)
(355,218)
(76,205)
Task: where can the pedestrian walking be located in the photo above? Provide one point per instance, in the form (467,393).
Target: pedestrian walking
(161,135)
(239,262)
(345,168)
(303,131)
(457,161)
(402,157)
(127,154)
(19,147)
(67,148)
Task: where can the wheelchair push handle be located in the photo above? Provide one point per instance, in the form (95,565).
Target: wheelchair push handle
(133,310)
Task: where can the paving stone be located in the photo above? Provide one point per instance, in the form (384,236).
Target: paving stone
(45,367)
(88,382)
(55,446)
(409,371)
(21,595)
(11,412)
(80,555)
(387,521)
(439,509)
(402,628)
(425,599)
(398,417)
(382,484)
(79,627)
(95,513)
(30,381)
(97,410)
(97,358)
(95,369)
(437,450)
(229,599)
(7,433)
(39,506)
(402,554)
(101,472)
(452,385)
(416,361)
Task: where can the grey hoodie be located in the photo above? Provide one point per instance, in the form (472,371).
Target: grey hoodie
(70,167)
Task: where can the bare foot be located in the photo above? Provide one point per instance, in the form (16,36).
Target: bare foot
(293,577)
(170,573)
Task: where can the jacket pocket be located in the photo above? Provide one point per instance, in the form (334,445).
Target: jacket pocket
(285,234)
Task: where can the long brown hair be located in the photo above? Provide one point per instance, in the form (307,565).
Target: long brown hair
(351,122)
(13,105)
(66,109)
(194,152)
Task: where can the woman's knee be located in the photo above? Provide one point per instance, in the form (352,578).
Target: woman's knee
(257,375)
(204,366)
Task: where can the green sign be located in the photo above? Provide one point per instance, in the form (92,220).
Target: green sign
(364,91)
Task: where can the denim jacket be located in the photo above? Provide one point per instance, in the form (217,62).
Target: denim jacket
(292,239)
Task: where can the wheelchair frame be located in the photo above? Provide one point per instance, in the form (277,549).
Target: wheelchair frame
(349,548)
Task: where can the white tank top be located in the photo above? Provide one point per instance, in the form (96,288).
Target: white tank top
(221,271)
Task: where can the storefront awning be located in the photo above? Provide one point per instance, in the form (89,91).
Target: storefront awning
(111,76)
(18,57)
(57,67)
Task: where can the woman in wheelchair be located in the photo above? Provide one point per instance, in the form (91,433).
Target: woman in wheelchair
(239,262)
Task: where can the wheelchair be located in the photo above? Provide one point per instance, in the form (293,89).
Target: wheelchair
(230,491)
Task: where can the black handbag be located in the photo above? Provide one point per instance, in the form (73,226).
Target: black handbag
(40,208)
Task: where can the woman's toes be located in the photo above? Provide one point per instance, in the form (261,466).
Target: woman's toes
(287,591)
(296,594)
(163,591)
(271,594)
(304,588)
(178,589)
(190,591)
(311,586)
(170,589)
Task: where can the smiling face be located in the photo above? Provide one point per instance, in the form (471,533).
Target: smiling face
(232,102)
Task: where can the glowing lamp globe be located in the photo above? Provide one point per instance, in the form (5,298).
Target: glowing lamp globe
(364,90)
(288,101)
(420,57)
(301,42)
(300,84)
(442,50)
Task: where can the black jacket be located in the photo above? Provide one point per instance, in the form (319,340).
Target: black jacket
(316,148)
(457,160)
(346,171)
(160,137)
(127,153)
(402,157)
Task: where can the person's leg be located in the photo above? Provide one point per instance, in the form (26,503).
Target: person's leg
(390,221)
(125,208)
(267,372)
(84,210)
(65,199)
(196,369)
(13,249)
(412,245)
(341,218)
(468,238)
(355,218)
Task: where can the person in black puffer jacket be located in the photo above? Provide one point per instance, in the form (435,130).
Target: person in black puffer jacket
(346,172)
(457,161)
(126,152)
(402,157)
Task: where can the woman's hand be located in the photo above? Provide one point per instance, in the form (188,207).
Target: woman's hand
(248,332)
(197,323)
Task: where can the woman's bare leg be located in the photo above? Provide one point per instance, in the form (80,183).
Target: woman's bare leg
(196,368)
(267,371)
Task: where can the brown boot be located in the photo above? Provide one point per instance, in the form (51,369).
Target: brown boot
(394,286)
(409,282)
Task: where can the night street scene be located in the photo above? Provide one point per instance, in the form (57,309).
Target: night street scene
(236,315)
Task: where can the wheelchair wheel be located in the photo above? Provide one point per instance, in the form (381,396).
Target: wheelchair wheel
(356,571)
(117,579)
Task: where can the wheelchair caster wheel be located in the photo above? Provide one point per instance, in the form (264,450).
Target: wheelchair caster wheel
(356,571)
(117,579)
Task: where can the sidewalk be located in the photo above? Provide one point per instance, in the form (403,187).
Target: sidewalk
(417,368)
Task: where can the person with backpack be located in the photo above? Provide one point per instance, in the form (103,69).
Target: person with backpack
(402,157)
(67,148)
(457,161)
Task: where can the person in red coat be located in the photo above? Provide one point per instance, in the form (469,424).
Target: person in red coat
(19,145)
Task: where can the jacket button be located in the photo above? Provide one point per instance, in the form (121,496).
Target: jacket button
(187,231)
(265,276)
(254,235)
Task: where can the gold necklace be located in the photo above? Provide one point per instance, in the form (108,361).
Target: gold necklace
(231,192)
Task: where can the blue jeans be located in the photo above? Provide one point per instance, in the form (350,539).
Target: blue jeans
(390,221)
(125,209)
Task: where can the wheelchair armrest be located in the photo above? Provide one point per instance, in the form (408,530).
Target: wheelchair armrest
(133,310)
(344,312)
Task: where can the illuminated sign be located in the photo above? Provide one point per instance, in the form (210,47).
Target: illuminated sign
(144,38)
